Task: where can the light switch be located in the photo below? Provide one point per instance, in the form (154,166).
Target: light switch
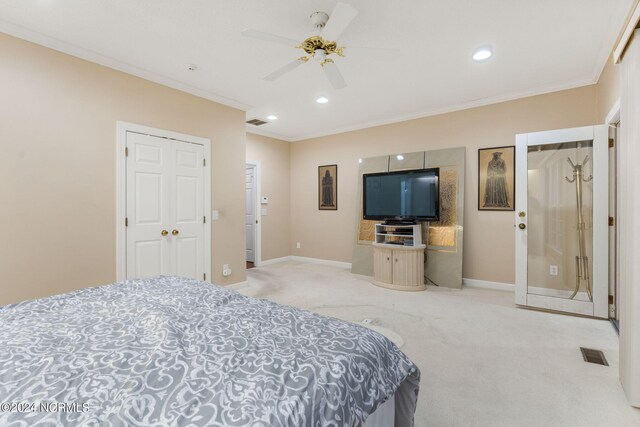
(263,211)
(215,215)
(264,200)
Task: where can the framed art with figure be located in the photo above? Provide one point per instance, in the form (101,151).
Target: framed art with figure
(496,178)
(328,188)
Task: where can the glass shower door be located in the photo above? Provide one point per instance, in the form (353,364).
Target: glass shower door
(559,260)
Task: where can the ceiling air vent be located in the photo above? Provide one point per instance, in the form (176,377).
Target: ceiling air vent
(256,122)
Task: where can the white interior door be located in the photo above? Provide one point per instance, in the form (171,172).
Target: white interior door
(562,220)
(148,214)
(250,217)
(187,211)
(164,207)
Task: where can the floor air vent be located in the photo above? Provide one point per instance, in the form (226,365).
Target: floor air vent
(256,122)
(593,356)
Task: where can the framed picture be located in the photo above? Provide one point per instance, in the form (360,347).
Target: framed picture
(328,188)
(497,178)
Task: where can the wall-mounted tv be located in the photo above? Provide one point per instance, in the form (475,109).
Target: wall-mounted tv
(402,195)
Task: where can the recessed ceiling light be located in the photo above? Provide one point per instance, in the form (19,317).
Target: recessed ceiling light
(322,100)
(272,117)
(482,54)
(400,157)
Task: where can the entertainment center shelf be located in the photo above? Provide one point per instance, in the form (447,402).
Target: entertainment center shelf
(398,234)
(398,257)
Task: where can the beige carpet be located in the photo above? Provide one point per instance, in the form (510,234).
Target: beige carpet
(484,362)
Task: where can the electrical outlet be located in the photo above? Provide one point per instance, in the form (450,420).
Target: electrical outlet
(553,270)
(298,245)
(226,270)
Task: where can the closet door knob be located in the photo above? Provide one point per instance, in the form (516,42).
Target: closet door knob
(522,226)
(175,232)
(164,232)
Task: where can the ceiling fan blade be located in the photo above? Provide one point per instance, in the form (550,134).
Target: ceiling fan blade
(372,52)
(334,75)
(274,38)
(340,19)
(284,70)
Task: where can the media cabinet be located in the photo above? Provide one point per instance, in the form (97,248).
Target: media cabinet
(398,257)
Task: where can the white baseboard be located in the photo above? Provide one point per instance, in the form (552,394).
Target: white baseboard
(327,262)
(485,284)
(536,290)
(274,261)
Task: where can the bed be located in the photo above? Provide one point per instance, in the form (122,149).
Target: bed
(175,351)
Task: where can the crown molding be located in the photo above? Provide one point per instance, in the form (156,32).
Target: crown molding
(263,132)
(628,30)
(449,109)
(67,48)
(87,55)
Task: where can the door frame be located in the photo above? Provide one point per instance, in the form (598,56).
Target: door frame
(121,190)
(613,120)
(600,305)
(257,241)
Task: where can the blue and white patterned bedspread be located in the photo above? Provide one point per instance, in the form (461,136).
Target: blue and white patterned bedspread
(172,351)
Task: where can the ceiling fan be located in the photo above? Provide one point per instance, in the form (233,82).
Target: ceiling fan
(321,45)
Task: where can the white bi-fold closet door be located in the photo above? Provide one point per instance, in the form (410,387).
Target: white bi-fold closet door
(164,207)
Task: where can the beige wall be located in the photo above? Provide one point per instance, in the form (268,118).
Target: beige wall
(57,192)
(274,158)
(57,168)
(608,89)
(489,236)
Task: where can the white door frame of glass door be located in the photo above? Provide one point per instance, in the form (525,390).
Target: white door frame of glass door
(599,135)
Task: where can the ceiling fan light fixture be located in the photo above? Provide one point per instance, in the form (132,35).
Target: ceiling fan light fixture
(482,53)
(320,46)
(322,100)
(320,55)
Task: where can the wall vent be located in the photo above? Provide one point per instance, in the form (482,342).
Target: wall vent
(256,122)
(593,356)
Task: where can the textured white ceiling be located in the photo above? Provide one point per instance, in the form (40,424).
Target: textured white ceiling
(539,46)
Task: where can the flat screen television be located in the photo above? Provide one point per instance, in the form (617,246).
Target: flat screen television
(403,195)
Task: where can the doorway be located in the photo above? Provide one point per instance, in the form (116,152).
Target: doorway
(252,216)
(614,283)
(562,220)
(613,121)
(163,196)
